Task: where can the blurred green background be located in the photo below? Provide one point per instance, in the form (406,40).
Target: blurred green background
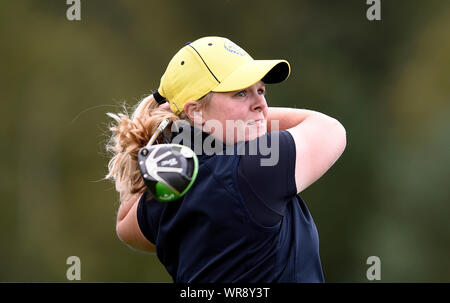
(387,81)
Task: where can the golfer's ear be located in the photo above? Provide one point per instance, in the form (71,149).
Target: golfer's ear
(194,113)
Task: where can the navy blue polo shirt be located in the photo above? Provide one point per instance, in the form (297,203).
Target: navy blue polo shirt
(240,221)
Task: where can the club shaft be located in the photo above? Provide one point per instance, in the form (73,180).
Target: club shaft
(160,128)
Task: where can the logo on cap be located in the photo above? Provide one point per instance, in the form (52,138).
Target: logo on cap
(233,48)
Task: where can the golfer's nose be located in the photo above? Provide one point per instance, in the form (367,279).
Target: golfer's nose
(259,103)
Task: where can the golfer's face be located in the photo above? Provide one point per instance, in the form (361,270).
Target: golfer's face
(241,114)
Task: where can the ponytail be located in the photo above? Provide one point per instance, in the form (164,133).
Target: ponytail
(129,134)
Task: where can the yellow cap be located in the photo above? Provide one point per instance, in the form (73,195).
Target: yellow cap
(215,64)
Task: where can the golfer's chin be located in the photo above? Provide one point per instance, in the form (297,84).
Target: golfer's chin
(254,131)
(253,136)
(243,133)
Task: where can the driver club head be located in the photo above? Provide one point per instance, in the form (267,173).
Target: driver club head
(168,170)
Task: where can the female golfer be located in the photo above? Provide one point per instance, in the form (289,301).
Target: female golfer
(243,219)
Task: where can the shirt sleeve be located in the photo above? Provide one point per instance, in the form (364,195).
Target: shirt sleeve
(266,178)
(143,218)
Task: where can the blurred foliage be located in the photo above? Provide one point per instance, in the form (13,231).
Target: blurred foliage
(387,81)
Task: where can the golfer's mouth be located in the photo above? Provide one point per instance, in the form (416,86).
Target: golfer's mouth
(255,122)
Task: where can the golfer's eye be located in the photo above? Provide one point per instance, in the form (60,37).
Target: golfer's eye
(262,91)
(240,93)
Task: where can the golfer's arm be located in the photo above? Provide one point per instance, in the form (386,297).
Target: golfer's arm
(319,141)
(282,118)
(127,226)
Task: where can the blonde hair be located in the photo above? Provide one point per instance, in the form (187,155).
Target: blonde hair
(129,134)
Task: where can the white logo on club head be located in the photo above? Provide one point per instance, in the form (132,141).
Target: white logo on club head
(167,197)
(171,162)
